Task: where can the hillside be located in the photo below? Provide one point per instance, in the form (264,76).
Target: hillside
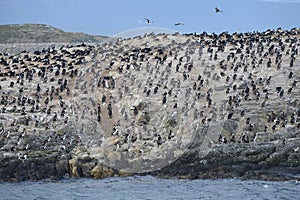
(40,33)
(171,105)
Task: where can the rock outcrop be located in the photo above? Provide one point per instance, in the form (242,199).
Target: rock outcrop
(194,106)
(268,161)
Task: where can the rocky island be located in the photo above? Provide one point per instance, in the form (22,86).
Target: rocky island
(169,105)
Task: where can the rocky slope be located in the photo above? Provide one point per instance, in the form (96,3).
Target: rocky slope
(15,38)
(193,106)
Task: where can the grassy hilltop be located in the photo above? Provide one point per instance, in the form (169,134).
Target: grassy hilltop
(41,33)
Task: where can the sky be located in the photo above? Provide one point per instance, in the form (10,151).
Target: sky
(110,17)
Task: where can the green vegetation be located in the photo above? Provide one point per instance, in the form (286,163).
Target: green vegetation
(41,33)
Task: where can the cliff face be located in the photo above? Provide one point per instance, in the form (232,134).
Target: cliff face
(267,161)
(192,106)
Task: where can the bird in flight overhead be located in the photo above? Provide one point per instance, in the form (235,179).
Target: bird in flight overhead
(178,24)
(148,21)
(217,10)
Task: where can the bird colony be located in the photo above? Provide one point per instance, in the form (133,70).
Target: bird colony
(138,104)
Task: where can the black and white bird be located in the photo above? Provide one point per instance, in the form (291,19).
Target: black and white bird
(179,24)
(218,10)
(148,21)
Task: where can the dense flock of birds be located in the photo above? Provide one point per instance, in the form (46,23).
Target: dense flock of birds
(151,92)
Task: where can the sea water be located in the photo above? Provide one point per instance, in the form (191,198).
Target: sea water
(148,187)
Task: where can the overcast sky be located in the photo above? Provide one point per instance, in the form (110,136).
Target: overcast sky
(111,17)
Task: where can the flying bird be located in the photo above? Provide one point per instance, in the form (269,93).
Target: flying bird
(217,10)
(178,24)
(148,21)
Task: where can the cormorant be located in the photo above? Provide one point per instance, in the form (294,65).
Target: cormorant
(178,24)
(217,10)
